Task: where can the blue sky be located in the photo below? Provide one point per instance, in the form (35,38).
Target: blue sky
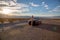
(35,7)
(50,6)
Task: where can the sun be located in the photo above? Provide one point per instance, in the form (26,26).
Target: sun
(6,11)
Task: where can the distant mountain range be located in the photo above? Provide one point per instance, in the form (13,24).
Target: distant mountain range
(7,16)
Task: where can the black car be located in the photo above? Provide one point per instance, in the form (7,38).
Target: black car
(34,22)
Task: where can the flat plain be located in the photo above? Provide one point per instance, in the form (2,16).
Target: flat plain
(48,30)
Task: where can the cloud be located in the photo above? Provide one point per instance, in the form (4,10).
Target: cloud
(56,9)
(20,8)
(44,5)
(12,2)
(34,5)
(14,6)
(3,3)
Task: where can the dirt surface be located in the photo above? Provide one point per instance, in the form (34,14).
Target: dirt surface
(48,30)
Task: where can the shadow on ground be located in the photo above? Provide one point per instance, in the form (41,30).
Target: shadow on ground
(50,27)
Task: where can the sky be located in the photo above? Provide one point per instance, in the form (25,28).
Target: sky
(30,7)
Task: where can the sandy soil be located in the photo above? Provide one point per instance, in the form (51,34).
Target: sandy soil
(48,30)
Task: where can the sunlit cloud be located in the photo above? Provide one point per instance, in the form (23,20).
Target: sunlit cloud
(13,6)
(3,4)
